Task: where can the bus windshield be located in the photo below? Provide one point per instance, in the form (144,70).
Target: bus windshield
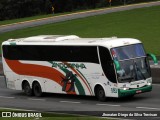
(128,52)
(133,63)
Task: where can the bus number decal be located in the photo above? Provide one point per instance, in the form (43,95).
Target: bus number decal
(113,90)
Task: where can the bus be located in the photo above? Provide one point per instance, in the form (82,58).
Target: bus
(101,67)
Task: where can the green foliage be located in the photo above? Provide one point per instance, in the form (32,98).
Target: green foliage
(12,9)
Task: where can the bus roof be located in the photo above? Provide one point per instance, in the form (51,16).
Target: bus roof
(71,40)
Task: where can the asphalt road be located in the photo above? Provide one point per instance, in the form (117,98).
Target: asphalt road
(54,19)
(79,104)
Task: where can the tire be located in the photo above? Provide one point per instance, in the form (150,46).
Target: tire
(100,94)
(27,89)
(37,89)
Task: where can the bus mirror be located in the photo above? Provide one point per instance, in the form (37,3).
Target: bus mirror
(154,58)
(117,65)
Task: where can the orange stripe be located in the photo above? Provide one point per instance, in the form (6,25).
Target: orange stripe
(36,70)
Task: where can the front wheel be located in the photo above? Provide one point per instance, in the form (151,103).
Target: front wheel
(37,89)
(100,94)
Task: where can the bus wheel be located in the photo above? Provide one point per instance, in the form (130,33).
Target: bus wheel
(27,89)
(37,89)
(100,94)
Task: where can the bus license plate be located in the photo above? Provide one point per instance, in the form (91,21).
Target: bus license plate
(138,91)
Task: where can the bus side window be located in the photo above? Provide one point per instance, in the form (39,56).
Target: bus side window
(107,64)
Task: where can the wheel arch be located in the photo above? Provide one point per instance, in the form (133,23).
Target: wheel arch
(23,82)
(96,87)
(32,81)
(37,88)
(40,83)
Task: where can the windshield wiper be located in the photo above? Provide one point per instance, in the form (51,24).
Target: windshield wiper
(125,78)
(133,78)
(138,69)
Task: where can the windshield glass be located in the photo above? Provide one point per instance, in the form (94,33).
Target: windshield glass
(133,63)
(128,52)
(133,70)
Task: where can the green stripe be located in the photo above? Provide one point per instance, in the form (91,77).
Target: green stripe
(123,93)
(86,80)
(77,82)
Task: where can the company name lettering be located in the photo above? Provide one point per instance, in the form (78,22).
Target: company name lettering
(68,65)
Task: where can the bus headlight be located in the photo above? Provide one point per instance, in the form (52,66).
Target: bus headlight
(149,82)
(125,88)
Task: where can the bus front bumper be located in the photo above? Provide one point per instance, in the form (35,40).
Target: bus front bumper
(124,93)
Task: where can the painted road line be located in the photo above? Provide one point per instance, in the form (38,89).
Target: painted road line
(15,109)
(7,97)
(153,66)
(90,11)
(156,84)
(108,105)
(149,108)
(63,113)
(36,99)
(69,102)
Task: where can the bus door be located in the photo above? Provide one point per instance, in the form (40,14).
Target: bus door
(109,71)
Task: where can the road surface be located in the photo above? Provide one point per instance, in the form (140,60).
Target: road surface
(79,104)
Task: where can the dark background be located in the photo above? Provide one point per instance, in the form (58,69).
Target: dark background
(12,9)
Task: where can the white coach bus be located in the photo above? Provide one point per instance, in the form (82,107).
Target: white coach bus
(101,67)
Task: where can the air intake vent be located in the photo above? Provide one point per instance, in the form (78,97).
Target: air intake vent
(49,38)
(66,38)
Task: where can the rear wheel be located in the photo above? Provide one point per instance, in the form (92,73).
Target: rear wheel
(100,94)
(27,89)
(37,89)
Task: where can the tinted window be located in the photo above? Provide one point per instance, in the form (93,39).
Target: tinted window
(51,53)
(128,52)
(107,64)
